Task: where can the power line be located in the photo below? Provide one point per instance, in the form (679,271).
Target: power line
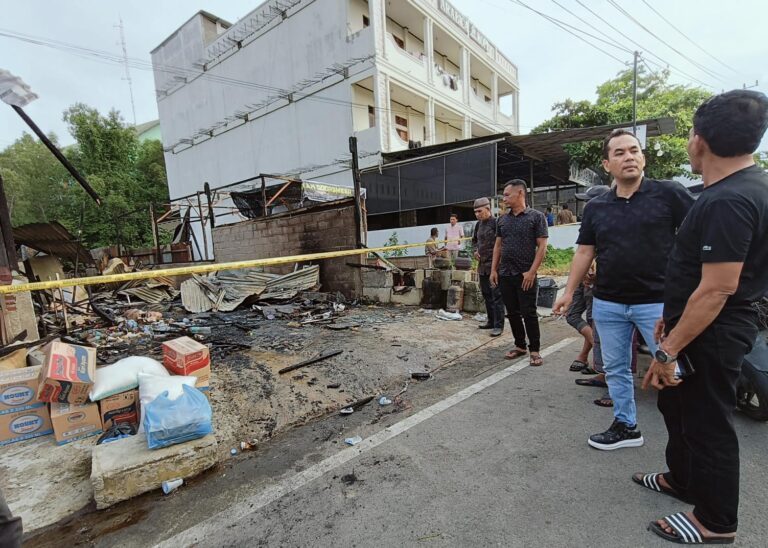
(653,72)
(677,29)
(590,25)
(563,26)
(673,48)
(623,34)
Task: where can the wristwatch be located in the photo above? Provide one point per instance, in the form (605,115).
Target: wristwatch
(662,357)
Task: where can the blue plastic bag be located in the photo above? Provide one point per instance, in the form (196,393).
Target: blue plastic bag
(167,422)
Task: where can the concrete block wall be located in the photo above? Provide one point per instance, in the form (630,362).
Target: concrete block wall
(313,230)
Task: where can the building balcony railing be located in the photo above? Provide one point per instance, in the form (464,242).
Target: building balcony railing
(478,103)
(412,63)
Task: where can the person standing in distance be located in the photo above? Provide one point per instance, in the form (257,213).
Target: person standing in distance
(483,240)
(521,244)
(453,235)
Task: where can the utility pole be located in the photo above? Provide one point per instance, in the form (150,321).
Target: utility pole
(634,95)
(356,182)
(127,69)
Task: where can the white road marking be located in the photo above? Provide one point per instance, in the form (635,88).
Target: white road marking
(212,526)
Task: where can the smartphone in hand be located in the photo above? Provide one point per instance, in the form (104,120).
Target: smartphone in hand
(684,368)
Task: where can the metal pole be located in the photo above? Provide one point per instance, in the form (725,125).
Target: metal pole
(59,156)
(118,227)
(264,195)
(356,181)
(211,216)
(202,225)
(79,241)
(155,236)
(530,165)
(634,96)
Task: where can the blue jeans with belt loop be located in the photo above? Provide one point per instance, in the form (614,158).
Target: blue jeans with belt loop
(616,322)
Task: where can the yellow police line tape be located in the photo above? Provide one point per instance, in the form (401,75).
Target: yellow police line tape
(201,269)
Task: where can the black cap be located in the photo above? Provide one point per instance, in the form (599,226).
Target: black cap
(593,192)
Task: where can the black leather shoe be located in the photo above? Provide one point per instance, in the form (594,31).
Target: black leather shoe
(485,326)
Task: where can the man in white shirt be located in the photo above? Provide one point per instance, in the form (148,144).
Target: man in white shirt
(453,235)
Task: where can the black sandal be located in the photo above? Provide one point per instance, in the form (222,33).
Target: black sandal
(605,401)
(577,365)
(684,531)
(651,481)
(591,382)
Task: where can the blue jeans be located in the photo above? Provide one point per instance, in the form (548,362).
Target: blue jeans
(616,322)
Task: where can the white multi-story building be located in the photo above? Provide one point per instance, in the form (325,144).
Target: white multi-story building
(283,89)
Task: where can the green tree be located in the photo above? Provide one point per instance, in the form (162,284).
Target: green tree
(392,241)
(761,159)
(34,181)
(127,174)
(656,97)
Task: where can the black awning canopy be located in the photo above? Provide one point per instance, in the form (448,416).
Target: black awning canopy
(454,173)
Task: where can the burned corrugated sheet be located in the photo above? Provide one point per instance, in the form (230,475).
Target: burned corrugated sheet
(53,239)
(228,289)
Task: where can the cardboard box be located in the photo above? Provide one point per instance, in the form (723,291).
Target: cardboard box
(18,389)
(67,373)
(203,378)
(122,407)
(184,356)
(72,421)
(24,424)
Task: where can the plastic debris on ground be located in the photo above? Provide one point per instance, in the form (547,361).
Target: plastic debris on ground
(170,486)
(353,440)
(448,316)
(117,431)
(248,445)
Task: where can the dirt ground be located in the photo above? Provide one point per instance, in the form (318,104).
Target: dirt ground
(381,346)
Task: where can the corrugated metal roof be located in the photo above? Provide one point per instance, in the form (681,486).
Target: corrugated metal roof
(228,289)
(53,239)
(546,147)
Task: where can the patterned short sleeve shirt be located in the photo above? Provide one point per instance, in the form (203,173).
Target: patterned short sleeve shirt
(518,235)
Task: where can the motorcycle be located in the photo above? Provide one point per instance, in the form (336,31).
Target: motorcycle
(752,388)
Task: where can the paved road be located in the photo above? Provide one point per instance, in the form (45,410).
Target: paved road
(505,463)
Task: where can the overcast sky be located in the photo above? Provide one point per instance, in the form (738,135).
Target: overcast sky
(553,65)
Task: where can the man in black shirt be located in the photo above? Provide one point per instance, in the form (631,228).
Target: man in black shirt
(521,244)
(630,230)
(483,240)
(717,269)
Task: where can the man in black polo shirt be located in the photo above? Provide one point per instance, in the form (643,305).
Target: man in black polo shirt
(521,244)
(630,230)
(718,268)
